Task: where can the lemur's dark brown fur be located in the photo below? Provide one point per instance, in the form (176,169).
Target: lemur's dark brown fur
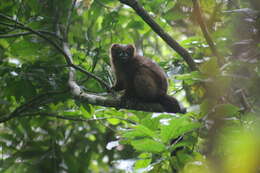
(141,78)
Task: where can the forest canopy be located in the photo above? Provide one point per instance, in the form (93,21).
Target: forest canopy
(59,111)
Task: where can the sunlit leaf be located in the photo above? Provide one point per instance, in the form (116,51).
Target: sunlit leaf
(177,127)
(148,145)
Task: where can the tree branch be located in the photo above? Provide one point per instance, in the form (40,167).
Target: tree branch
(74,118)
(108,100)
(103,5)
(68,60)
(77,93)
(15,34)
(27,33)
(157,29)
(29,105)
(204,29)
(69,19)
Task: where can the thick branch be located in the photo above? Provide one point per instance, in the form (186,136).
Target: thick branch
(106,101)
(204,29)
(165,36)
(110,101)
(77,93)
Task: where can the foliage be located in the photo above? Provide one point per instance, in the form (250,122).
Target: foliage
(52,131)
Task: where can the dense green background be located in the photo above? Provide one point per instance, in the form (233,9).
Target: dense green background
(220,131)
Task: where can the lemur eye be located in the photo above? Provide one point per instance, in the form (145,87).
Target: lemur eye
(119,52)
(122,53)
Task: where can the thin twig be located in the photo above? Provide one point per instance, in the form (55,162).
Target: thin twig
(69,19)
(21,26)
(50,33)
(69,59)
(244,100)
(103,5)
(27,33)
(15,35)
(159,30)
(204,29)
(29,105)
(74,118)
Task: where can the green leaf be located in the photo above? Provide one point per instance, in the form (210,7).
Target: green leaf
(188,76)
(4,43)
(148,145)
(114,121)
(188,141)
(32,153)
(140,131)
(131,134)
(25,49)
(143,163)
(206,106)
(227,110)
(71,113)
(146,131)
(136,25)
(109,20)
(7,137)
(151,123)
(87,107)
(86,111)
(6,163)
(177,127)
(210,68)
(175,15)
(21,88)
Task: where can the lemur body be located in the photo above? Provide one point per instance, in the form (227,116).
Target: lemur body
(141,78)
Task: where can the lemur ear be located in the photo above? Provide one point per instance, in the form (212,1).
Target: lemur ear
(130,48)
(115,46)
